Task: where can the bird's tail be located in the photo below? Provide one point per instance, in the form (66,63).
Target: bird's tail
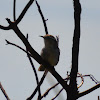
(41,68)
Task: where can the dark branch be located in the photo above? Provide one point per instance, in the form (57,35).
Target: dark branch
(35,73)
(24,11)
(43,19)
(57,94)
(5,27)
(89,90)
(18,47)
(40,83)
(72,95)
(14,10)
(46,93)
(4,92)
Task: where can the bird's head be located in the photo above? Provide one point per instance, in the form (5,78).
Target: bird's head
(50,40)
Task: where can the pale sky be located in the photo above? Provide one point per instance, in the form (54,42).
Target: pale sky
(16,74)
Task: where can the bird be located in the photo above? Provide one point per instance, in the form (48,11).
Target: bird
(51,52)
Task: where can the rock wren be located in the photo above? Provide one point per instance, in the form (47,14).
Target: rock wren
(50,52)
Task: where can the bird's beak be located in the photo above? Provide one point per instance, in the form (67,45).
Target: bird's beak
(42,36)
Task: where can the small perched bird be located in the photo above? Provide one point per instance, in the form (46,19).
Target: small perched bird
(50,52)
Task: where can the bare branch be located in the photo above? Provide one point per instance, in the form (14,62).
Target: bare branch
(14,10)
(72,95)
(42,79)
(4,92)
(81,81)
(89,90)
(46,93)
(5,27)
(43,19)
(18,47)
(57,94)
(35,73)
(24,11)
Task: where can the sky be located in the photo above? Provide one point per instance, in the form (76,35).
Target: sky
(16,74)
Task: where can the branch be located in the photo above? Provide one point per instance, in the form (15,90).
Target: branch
(4,92)
(14,10)
(42,79)
(46,93)
(82,80)
(35,73)
(89,90)
(72,95)
(57,94)
(17,47)
(24,11)
(43,19)
(5,27)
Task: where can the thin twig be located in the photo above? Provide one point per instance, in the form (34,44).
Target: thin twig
(43,19)
(5,27)
(81,81)
(35,73)
(88,91)
(46,93)
(41,81)
(17,47)
(24,11)
(14,10)
(4,92)
(57,94)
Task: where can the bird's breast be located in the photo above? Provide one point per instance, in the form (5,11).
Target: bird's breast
(51,55)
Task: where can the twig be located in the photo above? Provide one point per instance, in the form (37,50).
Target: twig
(14,10)
(41,81)
(57,94)
(4,92)
(8,42)
(35,73)
(46,93)
(24,11)
(81,81)
(5,27)
(88,91)
(94,79)
(43,19)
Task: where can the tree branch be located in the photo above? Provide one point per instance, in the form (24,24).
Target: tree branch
(8,42)
(88,91)
(24,11)
(72,95)
(43,19)
(4,92)
(57,94)
(14,10)
(35,73)
(40,83)
(5,27)
(46,93)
